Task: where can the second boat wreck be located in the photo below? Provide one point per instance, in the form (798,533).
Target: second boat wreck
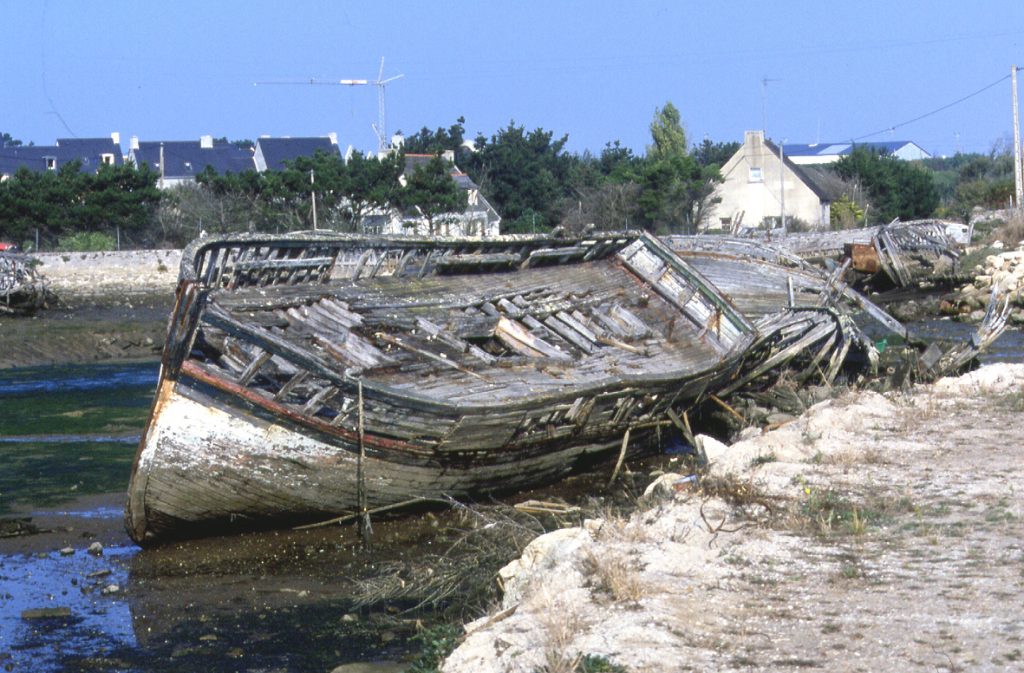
(317,374)
(22,288)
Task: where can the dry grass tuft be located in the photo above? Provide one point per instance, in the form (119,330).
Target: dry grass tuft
(851,457)
(1010,232)
(742,494)
(562,624)
(617,528)
(615,574)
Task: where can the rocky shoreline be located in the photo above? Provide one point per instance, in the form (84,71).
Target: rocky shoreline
(1001,271)
(872,533)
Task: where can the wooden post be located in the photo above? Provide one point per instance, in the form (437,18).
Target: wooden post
(1018,181)
(622,457)
(365,529)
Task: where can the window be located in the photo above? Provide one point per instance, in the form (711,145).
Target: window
(755,174)
(107,159)
(51,163)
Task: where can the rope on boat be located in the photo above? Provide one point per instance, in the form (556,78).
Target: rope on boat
(365,528)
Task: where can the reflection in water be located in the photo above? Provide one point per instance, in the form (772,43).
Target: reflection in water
(77,378)
(99,618)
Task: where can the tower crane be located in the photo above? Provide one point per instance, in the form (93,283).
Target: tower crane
(380,128)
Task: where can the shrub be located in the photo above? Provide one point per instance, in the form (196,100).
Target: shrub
(87,241)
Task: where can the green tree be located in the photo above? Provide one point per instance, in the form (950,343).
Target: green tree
(432,192)
(426,141)
(710,153)
(675,189)
(67,201)
(667,134)
(895,188)
(7,141)
(524,174)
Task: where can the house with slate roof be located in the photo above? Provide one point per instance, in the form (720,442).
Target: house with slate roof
(90,153)
(178,162)
(757,182)
(826,153)
(272,154)
(478,219)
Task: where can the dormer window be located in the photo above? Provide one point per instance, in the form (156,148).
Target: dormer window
(188,165)
(51,163)
(107,159)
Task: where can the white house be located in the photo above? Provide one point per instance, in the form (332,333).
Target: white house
(759,185)
(479,219)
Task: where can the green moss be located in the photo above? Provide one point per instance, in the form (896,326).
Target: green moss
(43,473)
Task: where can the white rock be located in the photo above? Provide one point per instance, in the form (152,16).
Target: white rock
(538,557)
(713,449)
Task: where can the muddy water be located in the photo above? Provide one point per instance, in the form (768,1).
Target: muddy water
(275,601)
(1009,347)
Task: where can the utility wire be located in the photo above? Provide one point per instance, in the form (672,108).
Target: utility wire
(935,111)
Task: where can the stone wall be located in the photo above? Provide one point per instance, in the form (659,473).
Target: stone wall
(94,273)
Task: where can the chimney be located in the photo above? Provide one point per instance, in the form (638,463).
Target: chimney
(397,140)
(116,137)
(334,137)
(206,142)
(133,144)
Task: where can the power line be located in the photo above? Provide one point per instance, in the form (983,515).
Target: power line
(935,111)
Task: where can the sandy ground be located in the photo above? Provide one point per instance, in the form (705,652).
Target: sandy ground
(872,534)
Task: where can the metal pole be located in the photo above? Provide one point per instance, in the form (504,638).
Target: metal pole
(1017,180)
(782,189)
(312,196)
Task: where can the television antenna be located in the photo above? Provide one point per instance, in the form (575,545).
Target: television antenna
(764,105)
(380,128)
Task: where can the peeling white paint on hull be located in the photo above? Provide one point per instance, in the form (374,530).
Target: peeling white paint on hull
(201,467)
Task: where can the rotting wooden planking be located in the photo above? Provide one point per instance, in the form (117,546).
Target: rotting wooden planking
(312,375)
(485,365)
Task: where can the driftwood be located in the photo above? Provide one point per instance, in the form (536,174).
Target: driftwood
(22,288)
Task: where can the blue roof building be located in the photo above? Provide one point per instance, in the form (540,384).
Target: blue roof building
(180,161)
(273,154)
(826,153)
(90,153)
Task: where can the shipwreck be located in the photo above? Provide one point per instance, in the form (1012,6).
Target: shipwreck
(22,288)
(315,374)
(894,255)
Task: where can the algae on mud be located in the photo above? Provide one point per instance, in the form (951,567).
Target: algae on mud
(69,431)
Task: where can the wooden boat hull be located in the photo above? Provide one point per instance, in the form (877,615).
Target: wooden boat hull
(262,417)
(256,469)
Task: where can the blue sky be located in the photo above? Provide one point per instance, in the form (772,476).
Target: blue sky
(805,71)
